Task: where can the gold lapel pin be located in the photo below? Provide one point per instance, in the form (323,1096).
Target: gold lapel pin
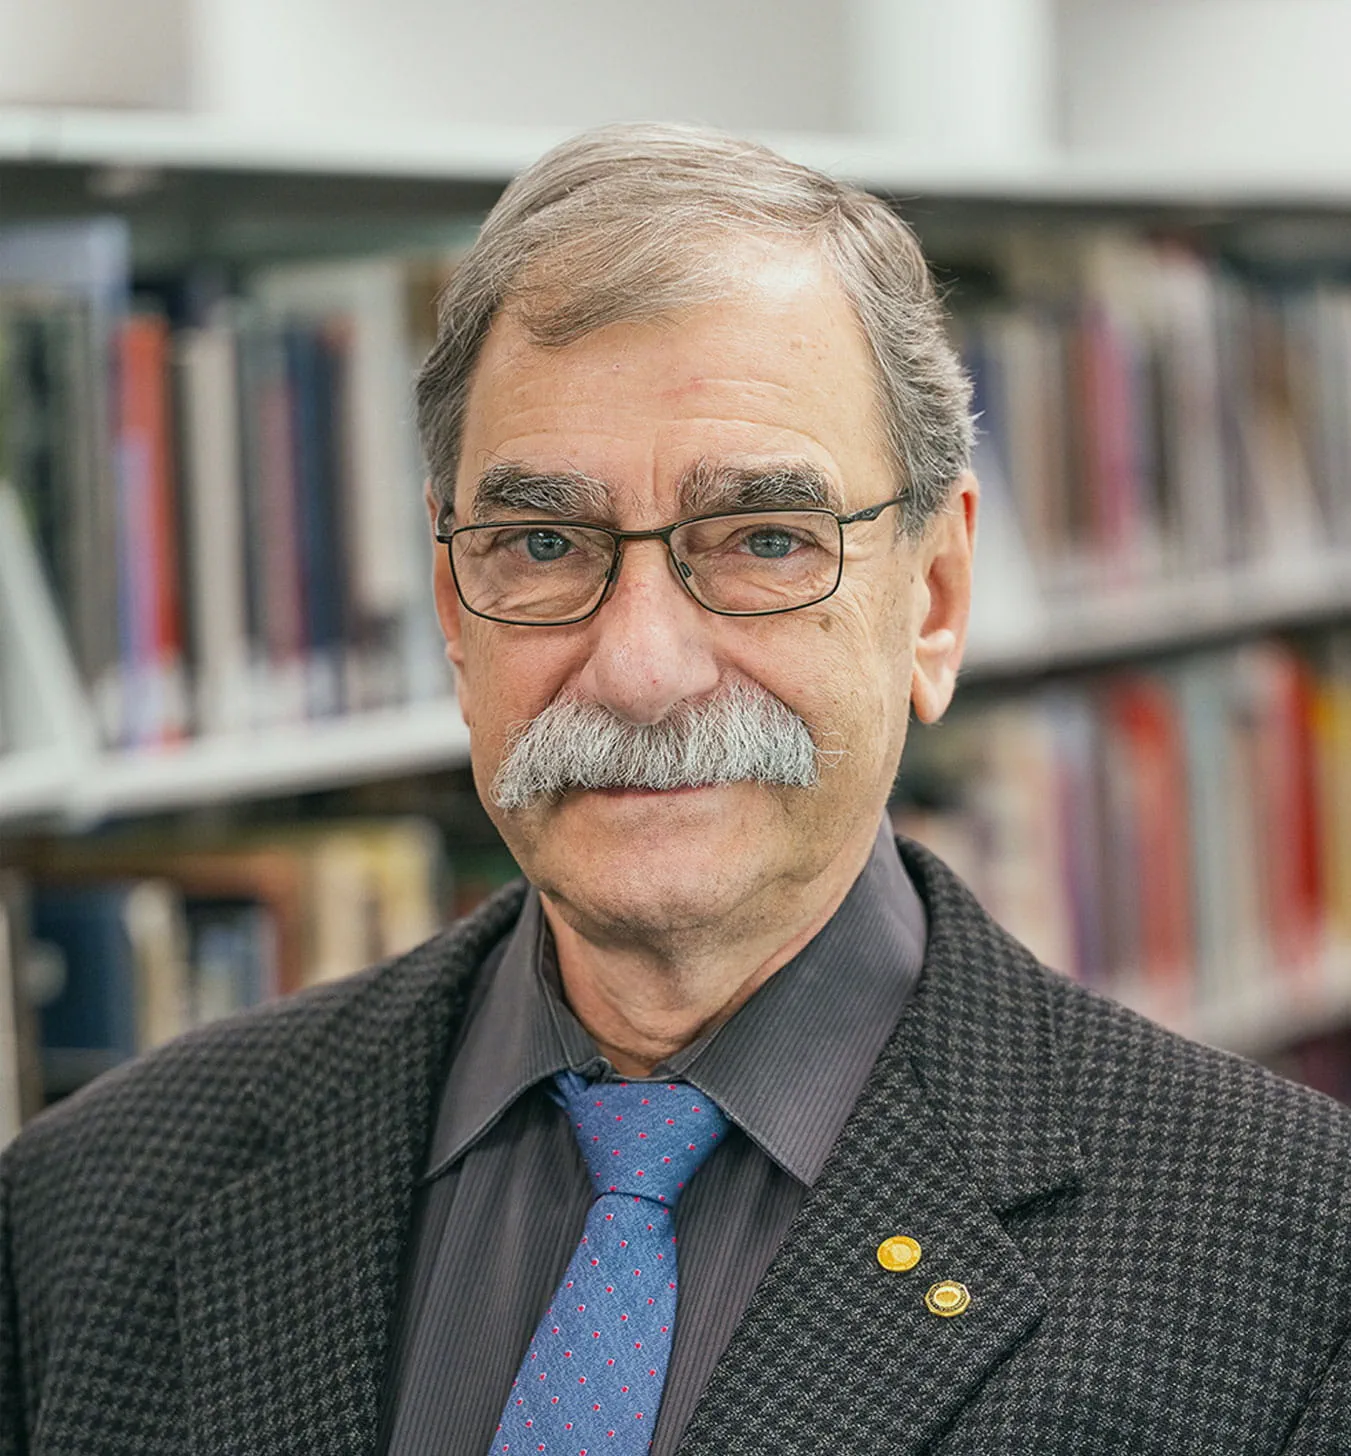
(947,1298)
(898,1253)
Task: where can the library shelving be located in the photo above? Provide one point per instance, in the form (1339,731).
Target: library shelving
(491,154)
(294,253)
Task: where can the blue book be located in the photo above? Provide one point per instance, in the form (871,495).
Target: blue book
(313,369)
(89,1024)
(232,956)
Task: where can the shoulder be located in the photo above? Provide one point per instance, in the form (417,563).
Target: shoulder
(183,1119)
(1138,1091)
(1177,1123)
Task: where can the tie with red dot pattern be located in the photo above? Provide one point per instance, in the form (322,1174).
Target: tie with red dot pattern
(592,1378)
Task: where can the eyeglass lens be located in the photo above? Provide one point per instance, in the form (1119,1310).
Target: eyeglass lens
(766,562)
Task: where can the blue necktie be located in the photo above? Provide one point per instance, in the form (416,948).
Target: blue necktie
(592,1378)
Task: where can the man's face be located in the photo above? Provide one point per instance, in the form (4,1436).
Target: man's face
(777,378)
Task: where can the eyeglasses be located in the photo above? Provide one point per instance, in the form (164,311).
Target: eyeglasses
(755,563)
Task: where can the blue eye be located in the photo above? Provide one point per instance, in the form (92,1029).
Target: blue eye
(546,545)
(769,544)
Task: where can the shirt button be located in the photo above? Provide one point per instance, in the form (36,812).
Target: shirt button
(898,1253)
(947,1298)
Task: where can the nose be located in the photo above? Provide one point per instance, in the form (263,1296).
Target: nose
(651,642)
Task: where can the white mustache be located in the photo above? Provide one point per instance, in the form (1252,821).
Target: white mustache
(742,733)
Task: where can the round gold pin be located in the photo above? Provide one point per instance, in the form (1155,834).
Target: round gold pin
(947,1298)
(898,1253)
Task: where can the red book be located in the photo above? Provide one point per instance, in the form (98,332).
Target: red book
(150,561)
(1145,718)
(1282,704)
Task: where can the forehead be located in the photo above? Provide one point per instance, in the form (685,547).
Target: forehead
(776,370)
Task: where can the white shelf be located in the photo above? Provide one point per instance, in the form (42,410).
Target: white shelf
(304,756)
(280,760)
(1143,618)
(36,783)
(191,141)
(197,141)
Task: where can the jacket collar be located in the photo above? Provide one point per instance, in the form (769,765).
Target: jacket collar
(807,1039)
(287,1275)
(962,1119)
(982,1040)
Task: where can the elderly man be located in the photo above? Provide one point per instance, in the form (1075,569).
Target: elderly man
(738,1127)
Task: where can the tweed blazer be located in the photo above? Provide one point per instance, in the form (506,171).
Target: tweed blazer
(200,1253)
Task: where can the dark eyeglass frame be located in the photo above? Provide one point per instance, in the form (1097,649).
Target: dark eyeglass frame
(664,534)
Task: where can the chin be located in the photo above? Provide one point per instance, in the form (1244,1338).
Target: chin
(664,861)
(638,898)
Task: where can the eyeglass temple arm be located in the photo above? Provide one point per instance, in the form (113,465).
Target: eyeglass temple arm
(870,513)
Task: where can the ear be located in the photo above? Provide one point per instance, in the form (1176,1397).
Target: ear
(945,554)
(448,609)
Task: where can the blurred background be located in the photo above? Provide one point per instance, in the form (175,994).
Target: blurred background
(230,759)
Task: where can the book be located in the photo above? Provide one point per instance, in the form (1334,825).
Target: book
(392,651)
(276,877)
(225,489)
(1158,413)
(216,577)
(1142,716)
(314,367)
(1180,836)
(45,706)
(338,895)
(20,1072)
(150,599)
(1330,724)
(232,956)
(70,282)
(89,1025)
(279,695)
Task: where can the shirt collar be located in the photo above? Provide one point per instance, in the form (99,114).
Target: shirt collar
(787,1068)
(520,1033)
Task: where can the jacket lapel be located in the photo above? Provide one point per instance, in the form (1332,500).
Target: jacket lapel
(287,1276)
(961,1121)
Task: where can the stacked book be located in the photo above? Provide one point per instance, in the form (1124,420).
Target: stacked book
(1158,412)
(1179,836)
(111,946)
(226,495)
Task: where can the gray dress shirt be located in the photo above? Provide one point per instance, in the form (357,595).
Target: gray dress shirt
(505,1193)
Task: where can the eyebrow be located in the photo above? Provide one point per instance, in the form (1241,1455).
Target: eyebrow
(568,494)
(790,485)
(706,488)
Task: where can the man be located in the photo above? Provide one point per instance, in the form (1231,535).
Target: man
(698,460)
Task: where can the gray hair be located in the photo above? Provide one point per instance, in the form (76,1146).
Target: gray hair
(615,225)
(742,732)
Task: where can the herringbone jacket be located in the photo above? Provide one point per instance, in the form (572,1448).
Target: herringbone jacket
(200,1253)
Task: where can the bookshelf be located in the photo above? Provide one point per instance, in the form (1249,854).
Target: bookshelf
(55,771)
(69,781)
(1265,1015)
(1120,623)
(196,190)
(296,758)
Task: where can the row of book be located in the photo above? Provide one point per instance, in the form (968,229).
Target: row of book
(223,485)
(111,945)
(225,488)
(1158,411)
(1179,836)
